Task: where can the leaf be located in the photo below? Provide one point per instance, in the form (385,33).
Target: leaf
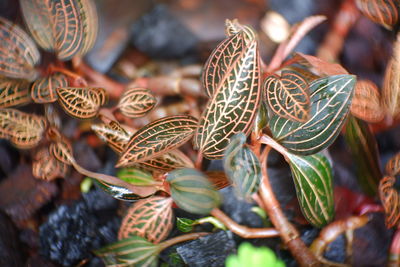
(136,102)
(320,66)
(391,84)
(168,161)
(192,191)
(330,103)
(157,138)
(288,96)
(393,165)
(235,94)
(384,12)
(114,134)
(218,179)
(136,176)
(18,53)
(366,102)
(364,151)
(116,191)
(150,218)
(14,92)
(62,150)
(242,167)
(90,24)
(134,251)
(390,199)
(44,90)
(82,103)
(22,129)
(47,167)
(312,177)
(261,120)
(185,225)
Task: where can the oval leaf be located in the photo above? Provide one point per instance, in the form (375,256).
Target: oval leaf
(18,53)
(390,199)
(156,138)
(62,150)
(192,191)
(330,103)
(136,102)
(90,24)
(393,165)
(47,167)
(114,134)
(136,176)
(312,177)
(14,92)
(134,251)
(366,103)
(150,218)
(22,129)
(235,96)
(384,12)
(391,85)
(169,161)
(116,191)
(242,167)
(82,103)
(321,67)
(44,90)
(288,96)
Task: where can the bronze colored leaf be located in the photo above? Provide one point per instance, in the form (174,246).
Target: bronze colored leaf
(393,165)
(320,66)
(14,92)
(90,23)
(157,138)
(384,12)
(136,102)
(82,103)
(390,199)
(62,150)
(391,85)
(151,218)
(169,161)
(235,94)
(366,102)
(44,90)
(47,167)
(22,129)
(288,96)
(112,133)
(218,179)
(18,53)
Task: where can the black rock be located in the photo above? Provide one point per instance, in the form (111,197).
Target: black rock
(161,36)
(210,250)
(11,254)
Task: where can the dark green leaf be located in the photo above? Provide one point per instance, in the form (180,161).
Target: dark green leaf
(116,191)
(184,225)
(261,120)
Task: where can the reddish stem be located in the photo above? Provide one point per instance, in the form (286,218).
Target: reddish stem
(179,239)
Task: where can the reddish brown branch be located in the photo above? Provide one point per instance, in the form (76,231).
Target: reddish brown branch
(179,239)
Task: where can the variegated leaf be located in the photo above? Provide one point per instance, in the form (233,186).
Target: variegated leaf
(321,67)
(235,95)
(384,12)
(62,150)
(18,53)
(83,103)
(390,199)
(393,165)
(14,92)
(116,191)
(391,85)
(151,218)
(366,103)
(134,251)
(90,24)
(47,167)
(44,90)
(114,134)
(136,102)
(242,167)
(171,160)
(22,129)
(330,103)
(288,96)
(312,176)
(192,191)
(157,138)
(136,176)
(218,179)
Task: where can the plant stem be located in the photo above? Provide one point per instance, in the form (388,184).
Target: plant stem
(179,239)
(241,230)
(199,161)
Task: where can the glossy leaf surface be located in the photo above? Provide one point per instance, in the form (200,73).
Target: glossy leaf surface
(136,176)
(114,134)
(151,218)
(18,53)
(384,12)
(185,225)
(330,104)
(44,90)
(192,191)
(134,251)
(136,102)
(242,167)
(390,199)
(22,129)
(312,176)
(157,138)
(288,96)
(47,167)
(82,103)
(366,103)
(116,191)
(14,92)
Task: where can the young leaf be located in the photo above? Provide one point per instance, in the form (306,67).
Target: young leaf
(168,161)
(312,177)
(18,53)
(150,218)
(134,251)
(44,90)
(288,96)
(390,199)
(14,92)
(136,102)
(22,129)
(116,191)
(47,167)
(330,102)
(192,191)
(366,103)
(242,167)
(184,225)
(393,165)
(235,90)
(157,138)
(114,134)
(82,103)
(136,176)
(384,12)
(320,66)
